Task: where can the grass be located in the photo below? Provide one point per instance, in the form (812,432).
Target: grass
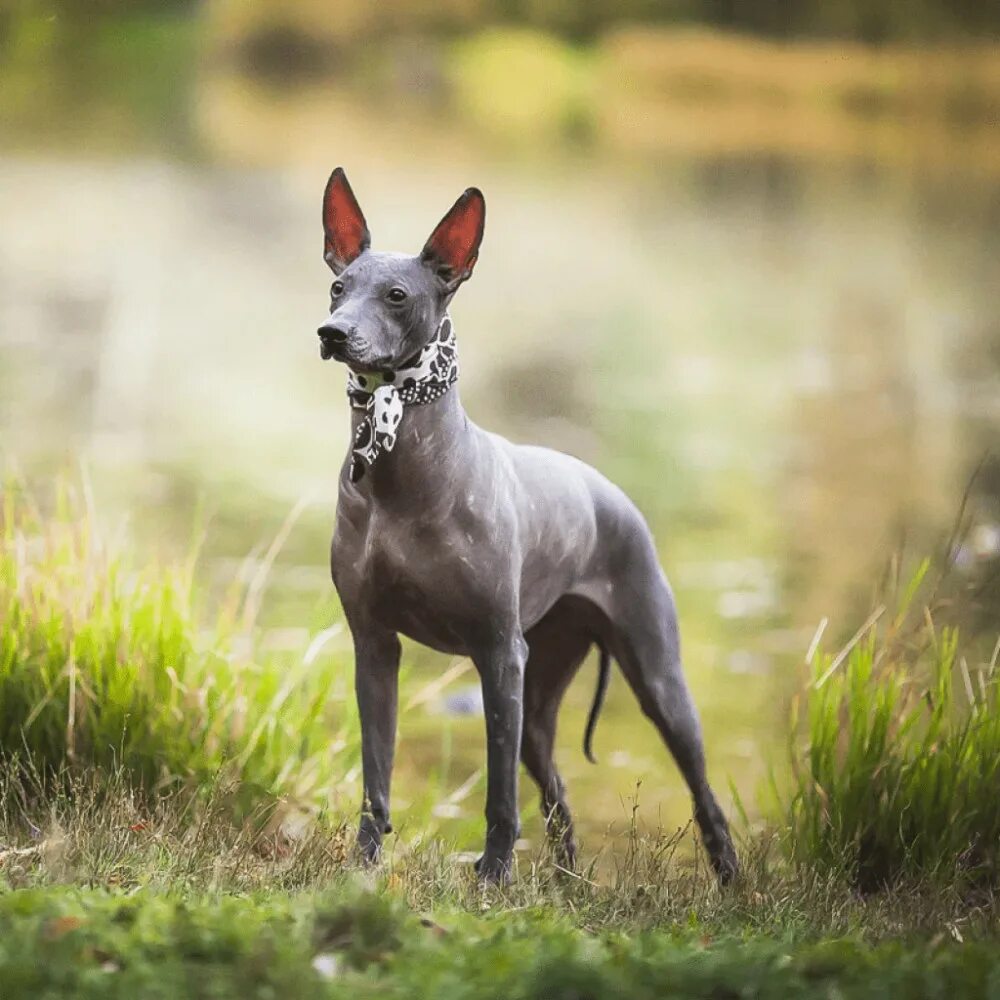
(106,665)
(367,946)
(102,893)
(902,767)
(163,829)
(97,832)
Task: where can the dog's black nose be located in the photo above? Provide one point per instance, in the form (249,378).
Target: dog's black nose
(332,333)
(330,339)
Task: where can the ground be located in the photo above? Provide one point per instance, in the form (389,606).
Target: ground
(105,895)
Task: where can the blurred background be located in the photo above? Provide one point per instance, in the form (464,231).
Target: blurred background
(744,257)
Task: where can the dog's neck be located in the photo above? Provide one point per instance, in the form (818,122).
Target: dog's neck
(383,398)
(409,432)
(431,448)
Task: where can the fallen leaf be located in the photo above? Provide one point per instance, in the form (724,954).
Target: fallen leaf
(61,926)
(435,928)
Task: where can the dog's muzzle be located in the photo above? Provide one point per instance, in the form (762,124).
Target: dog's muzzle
(332,341)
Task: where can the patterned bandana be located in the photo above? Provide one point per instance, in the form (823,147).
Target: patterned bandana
(426,376)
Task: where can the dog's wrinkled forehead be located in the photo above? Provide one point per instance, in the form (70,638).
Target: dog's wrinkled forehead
(378,270)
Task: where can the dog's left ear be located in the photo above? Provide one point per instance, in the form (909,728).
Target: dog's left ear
(345,232)
(453,247)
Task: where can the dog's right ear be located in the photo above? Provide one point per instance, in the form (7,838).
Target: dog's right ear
(345,231)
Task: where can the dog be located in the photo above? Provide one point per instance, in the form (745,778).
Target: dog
(518,557)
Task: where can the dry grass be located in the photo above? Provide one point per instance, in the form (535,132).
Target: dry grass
(97,832)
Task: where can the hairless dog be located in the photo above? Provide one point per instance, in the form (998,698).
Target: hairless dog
(518,557)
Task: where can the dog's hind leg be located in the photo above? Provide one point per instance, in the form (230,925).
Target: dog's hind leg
(646,644)
(556,648)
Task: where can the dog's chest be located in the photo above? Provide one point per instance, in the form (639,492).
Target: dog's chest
(414,578)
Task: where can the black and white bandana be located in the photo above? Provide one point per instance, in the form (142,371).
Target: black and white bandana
(426,376)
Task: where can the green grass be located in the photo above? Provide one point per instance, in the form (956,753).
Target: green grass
(901,774)
(104,664)
(363,945)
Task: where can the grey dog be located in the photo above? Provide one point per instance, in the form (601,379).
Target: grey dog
(518,557)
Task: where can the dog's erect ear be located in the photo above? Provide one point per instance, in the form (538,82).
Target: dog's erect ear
(345,231)
(454,245)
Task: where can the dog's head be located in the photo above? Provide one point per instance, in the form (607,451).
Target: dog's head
(384,307)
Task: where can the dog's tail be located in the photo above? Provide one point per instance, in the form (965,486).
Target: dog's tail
(604,674)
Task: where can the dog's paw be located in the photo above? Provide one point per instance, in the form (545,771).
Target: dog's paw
(369,842)
(493,871)
(368,849)
(564,855)
(726,865)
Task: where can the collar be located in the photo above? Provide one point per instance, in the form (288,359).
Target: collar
(422,378)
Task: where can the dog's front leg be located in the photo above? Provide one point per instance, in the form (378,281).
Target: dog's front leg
(376,683)
(501,669)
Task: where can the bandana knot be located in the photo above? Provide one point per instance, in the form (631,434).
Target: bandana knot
(422,378)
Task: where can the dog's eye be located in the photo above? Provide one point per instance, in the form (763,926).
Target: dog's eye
(396,295)
(337,289)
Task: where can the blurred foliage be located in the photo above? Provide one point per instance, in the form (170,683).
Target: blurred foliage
(138,74)
(124,69)
(520,107)
(866,20)
(871,21)
(874,21)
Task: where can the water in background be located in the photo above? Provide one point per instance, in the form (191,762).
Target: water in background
(783,343)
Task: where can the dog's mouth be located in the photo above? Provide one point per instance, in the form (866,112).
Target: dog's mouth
(360,366)
(370,368)
(328,351)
